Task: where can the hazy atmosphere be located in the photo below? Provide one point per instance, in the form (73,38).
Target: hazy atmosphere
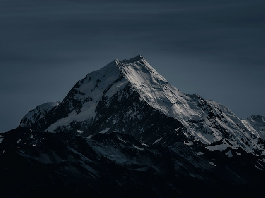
(212,48)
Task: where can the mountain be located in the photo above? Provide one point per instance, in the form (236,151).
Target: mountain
(125,131)
(130,96)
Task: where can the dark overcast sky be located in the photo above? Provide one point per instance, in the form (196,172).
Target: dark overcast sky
(214,48)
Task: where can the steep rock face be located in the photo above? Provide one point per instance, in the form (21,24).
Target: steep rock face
(131,97)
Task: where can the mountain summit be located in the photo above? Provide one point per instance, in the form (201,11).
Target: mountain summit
(125,131)
(130,96)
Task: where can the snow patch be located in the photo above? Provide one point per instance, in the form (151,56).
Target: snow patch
(79,131)
(158,140)
(62,122)
(229,153)
(141,149)
(104,131)
(189,143)
(121,140)
(220,147)
(143,144)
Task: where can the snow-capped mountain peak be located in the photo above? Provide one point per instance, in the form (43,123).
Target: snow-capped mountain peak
(130,95)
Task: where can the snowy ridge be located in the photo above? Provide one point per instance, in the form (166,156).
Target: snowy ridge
(191,110)
(89,91)
(36,114)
